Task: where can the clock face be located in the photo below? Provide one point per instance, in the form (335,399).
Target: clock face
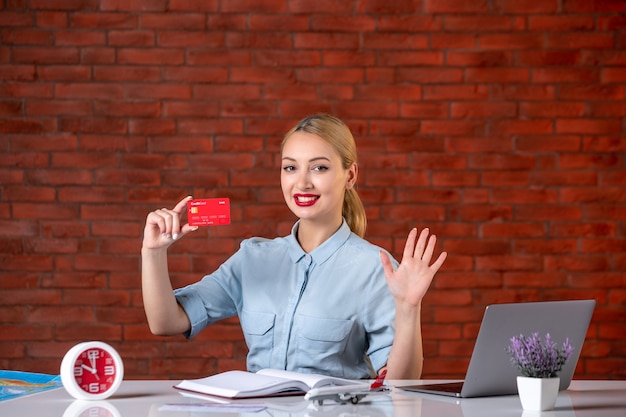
(92,371)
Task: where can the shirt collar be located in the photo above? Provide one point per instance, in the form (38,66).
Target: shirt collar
(323,251)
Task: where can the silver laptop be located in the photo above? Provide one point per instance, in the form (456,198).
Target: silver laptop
(490,371)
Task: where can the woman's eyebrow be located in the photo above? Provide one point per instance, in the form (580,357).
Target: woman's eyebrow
(317,158)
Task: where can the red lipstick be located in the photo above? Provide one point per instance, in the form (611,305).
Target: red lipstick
(305,200)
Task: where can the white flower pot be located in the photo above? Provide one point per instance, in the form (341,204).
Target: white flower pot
(538,394)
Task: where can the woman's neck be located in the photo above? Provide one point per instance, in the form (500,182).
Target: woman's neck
(311,234)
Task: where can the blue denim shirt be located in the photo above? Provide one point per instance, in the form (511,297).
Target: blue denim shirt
(329,311)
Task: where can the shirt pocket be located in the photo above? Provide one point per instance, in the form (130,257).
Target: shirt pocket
(258,330)
(322,343)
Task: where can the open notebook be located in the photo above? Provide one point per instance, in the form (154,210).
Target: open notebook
(490,371)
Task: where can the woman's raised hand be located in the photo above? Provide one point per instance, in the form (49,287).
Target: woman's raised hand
(408,284)
(163,226)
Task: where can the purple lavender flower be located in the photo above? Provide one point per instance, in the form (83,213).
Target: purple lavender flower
(536,359)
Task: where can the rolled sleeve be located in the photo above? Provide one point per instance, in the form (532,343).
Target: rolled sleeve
(193,305)
(379,358)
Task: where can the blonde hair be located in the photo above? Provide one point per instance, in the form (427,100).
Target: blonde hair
(338,135)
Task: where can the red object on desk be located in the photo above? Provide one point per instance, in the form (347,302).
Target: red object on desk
(379,381)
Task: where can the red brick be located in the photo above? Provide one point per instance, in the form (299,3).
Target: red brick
(542,58)
(123,108)
(136,6)
(274,40)
(27,37)
(456,92)
(524,92)
(410,22)
(90,194)
(453,41)
(589,178)
(322,6)
(152,128)
(511,41)
(248,6)
(222,161)
(52,19)
(97,55)
(424,110)
(613,75)
(577,263)
(291,23)
(526,196)
(582,6)
(16,19)
(592,92)
(599,161)
(17,72)
(553,75)
(59,176)
(413,195)
(261,75)
(330,23)
(58,108)
(471,145)
(522,127)
(455,6)
(328,41)
(580,40)
(228,57)
(125,73)
(455,179)
(64,73)
(476,23)
(477,212)
(561,23)
(23,332)
(586,229)
(589,126)
(131,38)
(535,280)
(10,108)
(527,7)
(497,75)
(136,56)
(93,125)
(82,38)
(47,55)
(72,331)
(93,90)
(482,110)
(198,74)
(429,76)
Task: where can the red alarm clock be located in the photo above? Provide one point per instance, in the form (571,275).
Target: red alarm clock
(92,371)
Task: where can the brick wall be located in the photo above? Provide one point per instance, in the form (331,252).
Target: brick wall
(499,124)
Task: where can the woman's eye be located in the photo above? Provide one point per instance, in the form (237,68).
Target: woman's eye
(320,168)
(288,168)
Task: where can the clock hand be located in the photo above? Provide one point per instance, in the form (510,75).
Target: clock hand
(92,370)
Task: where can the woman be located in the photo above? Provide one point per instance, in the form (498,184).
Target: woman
(316,300)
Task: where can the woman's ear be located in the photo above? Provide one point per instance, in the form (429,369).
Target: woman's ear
(353,172)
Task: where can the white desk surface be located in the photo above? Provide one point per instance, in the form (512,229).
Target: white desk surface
(144,399)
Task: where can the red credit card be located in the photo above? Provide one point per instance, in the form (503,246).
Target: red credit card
(208,212)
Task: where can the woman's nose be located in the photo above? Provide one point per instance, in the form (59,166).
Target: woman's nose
(304,180)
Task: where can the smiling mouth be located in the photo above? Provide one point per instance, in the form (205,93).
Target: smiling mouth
(305,200)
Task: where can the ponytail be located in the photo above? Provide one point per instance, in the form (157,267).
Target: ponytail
(354,212)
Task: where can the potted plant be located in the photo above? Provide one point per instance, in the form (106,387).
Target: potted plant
(539,363)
